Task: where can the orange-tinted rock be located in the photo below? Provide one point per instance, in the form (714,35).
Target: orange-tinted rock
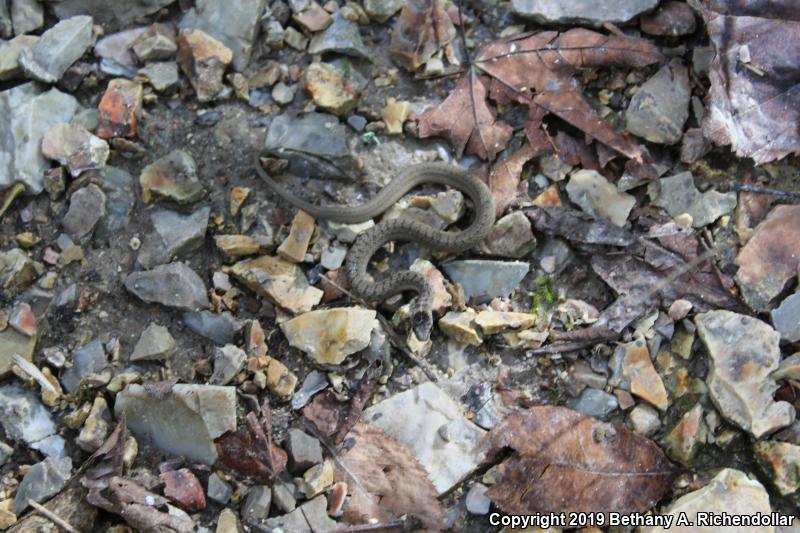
(184,489)
(120,109)
(203,59)
(294,248)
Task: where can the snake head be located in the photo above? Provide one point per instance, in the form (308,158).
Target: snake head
(421,324)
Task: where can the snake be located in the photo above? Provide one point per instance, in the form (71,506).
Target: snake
(401,229)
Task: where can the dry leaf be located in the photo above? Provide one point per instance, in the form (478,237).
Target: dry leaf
(504,178)
(384,480)
(422,29)
(240,451)
(569,462)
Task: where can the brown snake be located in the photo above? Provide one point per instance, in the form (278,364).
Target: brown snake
(369,241)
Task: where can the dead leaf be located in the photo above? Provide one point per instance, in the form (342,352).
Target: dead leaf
(504,178)
(569,462)
(577,226)
(754,100)
(422,29)
(384,480)
(242,452)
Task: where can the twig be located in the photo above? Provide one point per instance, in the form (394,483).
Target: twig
(756,189)
(371,527)
(50,515)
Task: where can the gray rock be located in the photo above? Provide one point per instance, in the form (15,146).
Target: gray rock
(316,514)
(115,52)
(26,15)
(184,421)
(157,43)
(219,328)
(477,502)
(282,93)
(659,109)
(23,416)
(172,285)
(581,11)
(314,144)
(600,198)
(483,279)
(75,147)
(678,195)
(357,122)
(235,23)
(256,506)
(13,342)
(315,382)
(644,419)
(229,360)
(155,344)
(175,235)
(274,34)
(304,450)
(342,37)
(9,55)
(87,361)
(218,489)
(786,318)
(283,497)
(6,27)
(42,481)
(112,14)
(333,256)
(120,198)
(6,452)
(162,76)
(382,10)
(173,176)
(511,236)
(27,114)
(596,403)
(59,47)
(294,522)
(86,207)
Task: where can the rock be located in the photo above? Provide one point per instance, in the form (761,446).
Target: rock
(314,144)
(13,342)
(237,245)
(155,344)
(511,236)
(659,109)
(678,195)
(682,442)
(173,176)
(96,427)
(86,207)
(172,285)
(317,479)
(780,461)
(581,11)
(431,424)
(394,115)
(329,88)
(42,481)
(228,522)
(9,55)
(280,281)
(484,280)
(175,236)
(57,49)
(219,328)
(769,262)
(280,380)
(162,76)
(679,309)
(461,327)
(70,505)
(75,148)
(644,420)
(184,489)
(348,232)
(634,371)
(6,25)
(28,114)
(595,195)
(295,39)
(156,43)
(596,403)
(382,10)
(23,320)
(23,417)
(477,502)
(439,210)
(6,452)
(120,198)
(256,506)
(116,54)
(120,109)
(341,37)
(203,60)
(282,93)
(494,322)
(184,421)
(229,360)
(283,498)
(315,382)
(110,13)
(789,368)
(672,18)
(316,514)
(744,352)
(328,336)
(304,450)
(786,318)
(88,363)
(234,23)
(218,489)
(17,270)
(333,256)
(26,15)
(313,18)
(294,247)
(729,490)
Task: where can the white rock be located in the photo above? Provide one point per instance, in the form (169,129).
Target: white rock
(330,335)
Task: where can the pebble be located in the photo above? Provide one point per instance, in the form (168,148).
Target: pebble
(237,245)
(57,49)
(678,195)
(512,236)
(596,403)
(484,280)
(581,12)
(598,197)
(173,285)
(9,55)
(633,371)
(203,59)
(394,114)
(357,122)
(218,489)
(280,281)
(315,382)
(120,198)
(317,479)
(328,336)
(333,256)
(274,34)
(477,502)
(494,322)
(295,39)
(96,427)
(229,360)
(75,148)
(162,76)
(304,450)
(184,422)
(23,416)
(461,327)
(295,246)
(219,328)
(13,342)
(683,441)
(256,506)
(282,93)
(173,176)
(313,18)
(329,88)
(644,420)
(175,235)
(109,13)
(671,18)
(86,207)
(786,318)
(23,320)
(659,109)
(89,364)
(26,16)
(156,43)
(184,489)
(347,233)
(316,514)
(341,37)
(382,10)
(779,461)
(43,480)
(120,109)
(679,309)
(115,51)
(155,344)
(283,497)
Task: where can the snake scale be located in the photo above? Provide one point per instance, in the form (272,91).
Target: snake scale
(402,229)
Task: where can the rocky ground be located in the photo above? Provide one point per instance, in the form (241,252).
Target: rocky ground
(179,350)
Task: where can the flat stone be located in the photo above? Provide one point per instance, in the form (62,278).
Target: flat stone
(729,490)
(42,481)
(172,285)
(644,419)
(295,39)
(155,344)
(438,210)
(283,497)
(234,23)
(779,461)
(75,148)
(678,195)
(219,328)
(433,427)
(634,371)
(316,514)
(330,89)
(237,245)
(229,360)
(116,54)
(744,352)
(110,13)
(256,506)
(333,256)
(596,403)
(86,207)
(175,236)
(173,176)
(341,37)
(162,76)
(88,362)
(17,270)
(511,236)
(494,322)
(461,327)
(671,18)
(280,381)
(120,109)
(280,281)
(156,43)
(304,450)
(28,114)
(228,522)
(598,197)
(683,441)
(348,232)
(282,93)
(96,428)
(57,49)
(12,342)
(9,55)
(23,416)
(382,10)
(219,490)
(769,261)
(315,144)
(203,60)
(27,16)
(484,280)
(581,11)
(118,186)
(328,336)
(317,479)
(313,18)
(786,318)
(314,382)
(182,422)
(477,502)
(659,109)
(295,246)
(184,489)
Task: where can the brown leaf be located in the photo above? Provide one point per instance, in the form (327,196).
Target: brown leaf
(577,226)
(504,178)
(422,29)
(241,451)
(754,104)
(569,462)
(384,480)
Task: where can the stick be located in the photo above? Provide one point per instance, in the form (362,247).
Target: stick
(50,515)
(756,189)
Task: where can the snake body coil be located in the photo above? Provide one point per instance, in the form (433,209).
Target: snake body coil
(368,242)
